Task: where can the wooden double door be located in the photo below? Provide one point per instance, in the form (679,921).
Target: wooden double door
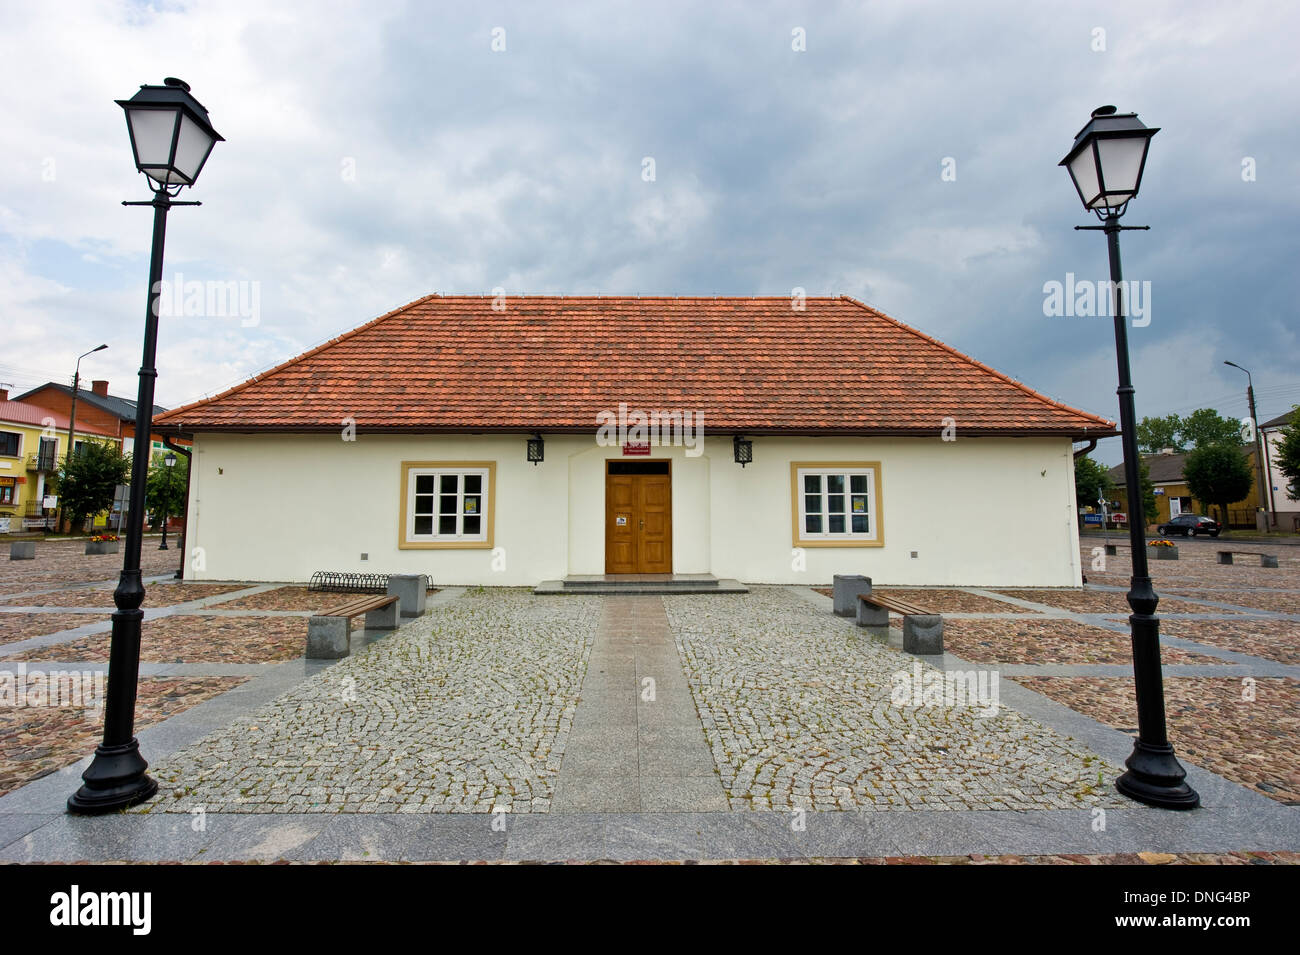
(638,517)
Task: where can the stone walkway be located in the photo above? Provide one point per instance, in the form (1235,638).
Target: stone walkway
(636,743)
(502,727)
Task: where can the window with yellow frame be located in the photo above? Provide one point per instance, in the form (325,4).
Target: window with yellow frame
(447,504)
(836,503)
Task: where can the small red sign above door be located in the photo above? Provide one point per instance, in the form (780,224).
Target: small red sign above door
(636,449)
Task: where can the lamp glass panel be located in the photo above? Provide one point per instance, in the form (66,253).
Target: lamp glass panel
(152,131)
(1121,164)
(1084,172)
(192,147)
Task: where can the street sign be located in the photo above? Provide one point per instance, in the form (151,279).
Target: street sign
(1119,518)
(1092,519)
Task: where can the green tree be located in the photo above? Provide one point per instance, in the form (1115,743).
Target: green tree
(89,479)
(1288,454)
(165,488)
(1090,481)
(1156,434)
(1205,427)
(1201,428)
(1218,474)
(1148,494)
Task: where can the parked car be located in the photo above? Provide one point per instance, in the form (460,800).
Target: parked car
(1189,525)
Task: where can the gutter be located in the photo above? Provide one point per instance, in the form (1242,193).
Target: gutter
(189,475)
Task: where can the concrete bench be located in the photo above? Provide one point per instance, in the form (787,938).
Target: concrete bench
(411,590)
(1265,560)
(922,629)
(329,634)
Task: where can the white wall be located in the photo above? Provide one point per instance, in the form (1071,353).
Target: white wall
(977,511)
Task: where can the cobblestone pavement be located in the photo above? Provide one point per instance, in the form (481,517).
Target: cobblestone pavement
(1030,640)
(60,563)
(1245,733)
(156,595)
(463,710)
(37,740)
(191,638)
(796,704)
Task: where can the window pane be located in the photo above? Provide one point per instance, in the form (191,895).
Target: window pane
(447,524)
(424,503)
(812,483)
(835,483)
(837,523)
(858,483)
(859,504)
(472,524)
(424,525)
(448,504)
(472,504)
(424,484)
(835,503)
(860,524)
(813,524)
(812,503)
(448,483)
(473,483)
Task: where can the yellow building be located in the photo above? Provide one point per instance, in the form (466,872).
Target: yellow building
(1174,497)
(33,442)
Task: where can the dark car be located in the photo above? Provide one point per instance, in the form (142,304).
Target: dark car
(1189,525)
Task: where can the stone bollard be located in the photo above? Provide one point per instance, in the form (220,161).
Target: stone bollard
(847,589)
(1267,560)
(923,633)
(411,590)
(1223,557)
(328,638)
(22,550)
(1112,550)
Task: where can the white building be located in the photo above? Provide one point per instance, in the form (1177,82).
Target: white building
(1286,508)
(404,446)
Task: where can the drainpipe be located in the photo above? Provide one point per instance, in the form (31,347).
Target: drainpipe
(1092,444)
(185,509)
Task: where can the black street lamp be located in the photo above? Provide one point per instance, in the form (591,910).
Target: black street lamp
(1106,163)
(76,385)
(169,462)
(171,139)
(1261,447)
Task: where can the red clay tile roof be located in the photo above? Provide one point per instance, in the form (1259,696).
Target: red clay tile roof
(23,412)
(551,364)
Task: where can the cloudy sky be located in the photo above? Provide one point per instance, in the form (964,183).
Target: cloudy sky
(380,151)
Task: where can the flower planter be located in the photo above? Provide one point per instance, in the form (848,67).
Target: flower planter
(1165,553)
(102,547)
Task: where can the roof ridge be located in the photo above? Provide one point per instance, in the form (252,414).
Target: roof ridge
(296,359)
(979,364)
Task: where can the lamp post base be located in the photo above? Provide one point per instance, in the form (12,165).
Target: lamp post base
(116,779)
(1155,777)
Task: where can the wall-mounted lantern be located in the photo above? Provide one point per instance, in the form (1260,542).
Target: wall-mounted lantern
(536,449)
(744,450)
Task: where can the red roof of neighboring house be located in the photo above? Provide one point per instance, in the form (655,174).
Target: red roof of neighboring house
(21,412)
(552,363)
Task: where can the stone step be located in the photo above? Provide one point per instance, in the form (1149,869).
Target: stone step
(641,584)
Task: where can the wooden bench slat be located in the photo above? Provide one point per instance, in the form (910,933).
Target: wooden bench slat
(354,608)
(891,602)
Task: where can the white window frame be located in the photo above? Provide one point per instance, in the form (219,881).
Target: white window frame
(413,470)
(873,537)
